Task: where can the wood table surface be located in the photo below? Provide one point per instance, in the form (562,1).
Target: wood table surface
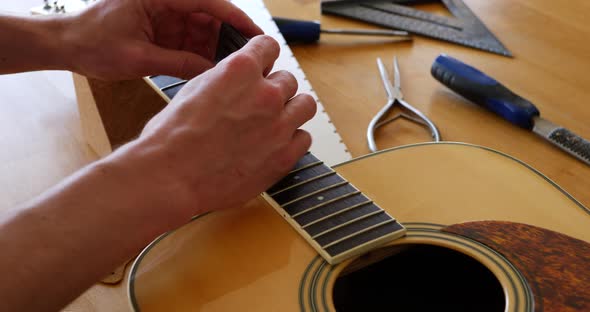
(42,142)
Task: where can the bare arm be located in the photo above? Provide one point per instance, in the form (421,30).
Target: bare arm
(65,240)
(125,39)
(30,43)
(188,158)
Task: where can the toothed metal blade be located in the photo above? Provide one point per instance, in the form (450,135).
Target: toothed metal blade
(563,138)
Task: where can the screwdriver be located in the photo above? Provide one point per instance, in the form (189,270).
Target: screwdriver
(309,31)
(484,90)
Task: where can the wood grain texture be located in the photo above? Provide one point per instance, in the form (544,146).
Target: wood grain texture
(425,191)
(124,108)
(549,68)
(42,140)
(555,265)
(90,119)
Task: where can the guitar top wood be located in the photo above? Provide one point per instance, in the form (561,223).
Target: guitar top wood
(529,233)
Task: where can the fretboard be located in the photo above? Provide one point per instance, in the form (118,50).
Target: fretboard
(330,213)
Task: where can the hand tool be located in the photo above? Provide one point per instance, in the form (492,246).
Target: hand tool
(465,28)
(293,31)
(395,98)
(487,92)
(229,41)
(309,31)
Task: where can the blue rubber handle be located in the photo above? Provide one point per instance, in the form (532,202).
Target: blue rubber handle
(298,31)
(484,90)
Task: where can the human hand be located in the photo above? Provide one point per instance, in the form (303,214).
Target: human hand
(227,136)
(124,39)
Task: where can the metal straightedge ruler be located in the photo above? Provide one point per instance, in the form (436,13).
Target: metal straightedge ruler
(465,28)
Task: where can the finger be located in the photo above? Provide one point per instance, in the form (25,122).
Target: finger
(285,82)
(181,64)
(199,38)
(299,110)
(265,51)
(221,9)
(287,156)
(300,144)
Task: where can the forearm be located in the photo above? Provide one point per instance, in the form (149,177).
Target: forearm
(31,43)
(58,245)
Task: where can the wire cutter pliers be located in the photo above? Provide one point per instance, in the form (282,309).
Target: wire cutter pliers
(395,97)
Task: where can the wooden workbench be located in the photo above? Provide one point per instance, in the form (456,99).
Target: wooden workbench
(42,142)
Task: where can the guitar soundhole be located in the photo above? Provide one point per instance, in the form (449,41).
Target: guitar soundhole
(419,278)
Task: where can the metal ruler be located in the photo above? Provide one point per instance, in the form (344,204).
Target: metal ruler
(465,28)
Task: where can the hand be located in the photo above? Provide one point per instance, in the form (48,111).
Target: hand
(227,136)
(124,39)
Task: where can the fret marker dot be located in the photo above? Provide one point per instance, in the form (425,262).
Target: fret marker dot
(320,197)
(296,177)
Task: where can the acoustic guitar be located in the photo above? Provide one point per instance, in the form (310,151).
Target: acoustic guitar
(483,232)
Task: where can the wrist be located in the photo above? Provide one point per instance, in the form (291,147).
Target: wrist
(47,52)
(138,177)
(62,42)
(35,43)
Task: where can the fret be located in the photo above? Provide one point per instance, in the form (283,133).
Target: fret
(338,189)
(340,218)
(335,214)
(365,238)
(359,232)
(161,81)
(340,200)
(168,85)
(368,215)
(306,180)
(317,163)
(309,187)
(171,92)
(315,213)
(323,195)
(352,229)
(299,177)
(306,161)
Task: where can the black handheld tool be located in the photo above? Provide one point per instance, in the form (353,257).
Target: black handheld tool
(309,31)
(229,41)
(487,92)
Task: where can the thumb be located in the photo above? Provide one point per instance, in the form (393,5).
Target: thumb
(180,64)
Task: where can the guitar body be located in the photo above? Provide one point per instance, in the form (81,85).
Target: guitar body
(485,232)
